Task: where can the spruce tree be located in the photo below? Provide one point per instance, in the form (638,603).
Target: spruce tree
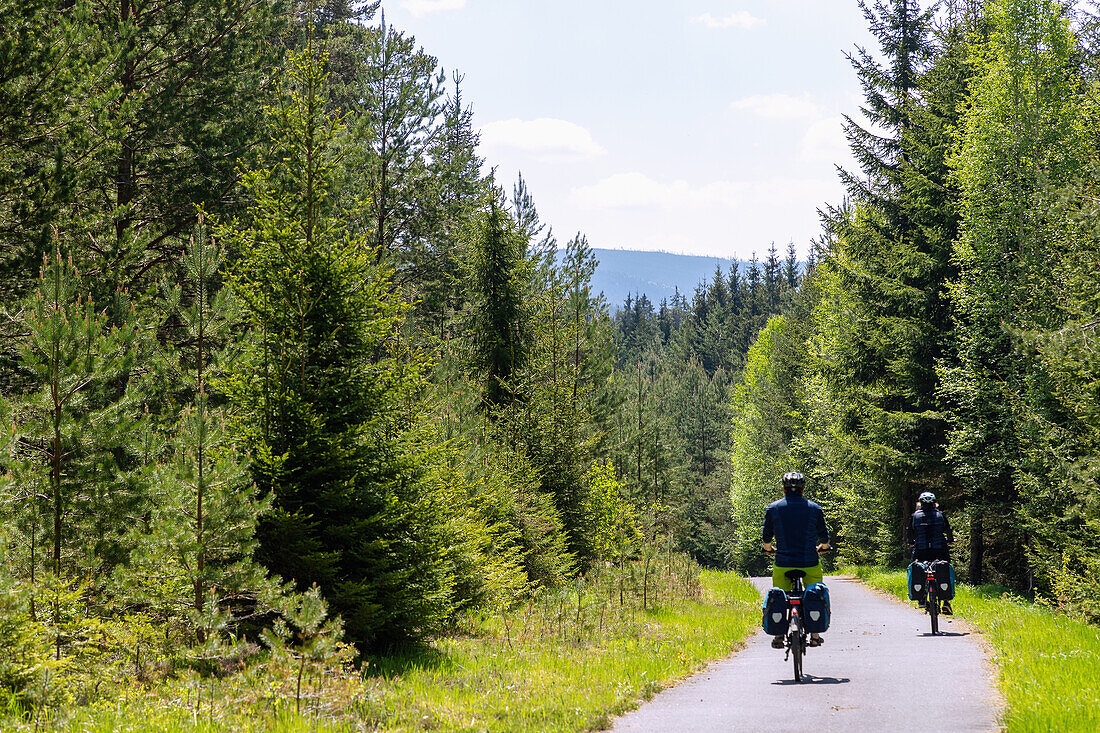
(499,274)
(326,390)
(883,280)
(455,170)
(790,268)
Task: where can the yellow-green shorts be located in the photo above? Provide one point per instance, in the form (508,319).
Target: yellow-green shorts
(813,575)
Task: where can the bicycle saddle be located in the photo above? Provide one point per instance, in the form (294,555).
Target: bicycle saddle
(792,574)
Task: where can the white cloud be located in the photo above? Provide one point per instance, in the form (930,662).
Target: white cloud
(780,193)
(718,217)
(737,19)
(639,191)
(824,142)
(543,137)
(779,106)
(420,8)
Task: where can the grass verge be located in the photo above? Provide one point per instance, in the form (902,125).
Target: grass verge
(556,684)
(1049,663)
(567,661)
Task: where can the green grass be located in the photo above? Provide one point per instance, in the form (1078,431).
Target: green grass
(549,683)
(1049,663)
(564,662)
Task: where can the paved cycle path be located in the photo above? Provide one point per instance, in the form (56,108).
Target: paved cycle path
(880,669)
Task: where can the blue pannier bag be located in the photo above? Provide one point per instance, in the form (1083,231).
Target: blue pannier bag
(945,580)
(917,582)
(815,608)
(774,618)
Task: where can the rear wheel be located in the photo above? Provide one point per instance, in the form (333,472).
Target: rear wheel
(934,612)
(796,647)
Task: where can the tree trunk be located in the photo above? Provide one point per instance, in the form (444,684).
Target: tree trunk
(640,426)
(34,548)
(905,502)
(124,164)
(576,334)
(55,479)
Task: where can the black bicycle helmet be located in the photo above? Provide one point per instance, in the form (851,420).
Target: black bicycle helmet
(793,481)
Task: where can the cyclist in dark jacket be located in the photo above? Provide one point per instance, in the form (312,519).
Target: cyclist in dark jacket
(930,533)
(798,527)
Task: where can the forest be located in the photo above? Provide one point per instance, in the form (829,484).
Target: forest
(945,338)
(285,369)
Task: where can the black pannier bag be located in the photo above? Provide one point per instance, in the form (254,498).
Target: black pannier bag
(917,582)
(815,608)
(945,580)
(774,618)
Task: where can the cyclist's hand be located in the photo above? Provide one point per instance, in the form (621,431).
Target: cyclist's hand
(823,547)
(769,547)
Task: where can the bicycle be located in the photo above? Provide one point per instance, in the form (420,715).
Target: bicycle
(931,602)
(797,636)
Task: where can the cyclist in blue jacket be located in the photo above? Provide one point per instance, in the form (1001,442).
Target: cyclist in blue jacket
(798,527)
(930,534)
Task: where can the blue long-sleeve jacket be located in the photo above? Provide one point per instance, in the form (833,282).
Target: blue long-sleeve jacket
(930,530)
(798,525)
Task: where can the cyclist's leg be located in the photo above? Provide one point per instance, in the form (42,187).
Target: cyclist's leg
(779,580)
(813,575)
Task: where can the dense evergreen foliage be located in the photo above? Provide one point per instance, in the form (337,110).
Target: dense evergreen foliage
(675,370)
(943,340)
(282,363)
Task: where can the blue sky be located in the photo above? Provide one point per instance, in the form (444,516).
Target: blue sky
(705,127)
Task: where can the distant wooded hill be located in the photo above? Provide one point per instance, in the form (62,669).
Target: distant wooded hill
(657,274)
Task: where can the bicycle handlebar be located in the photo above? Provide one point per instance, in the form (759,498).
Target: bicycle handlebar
(819,552)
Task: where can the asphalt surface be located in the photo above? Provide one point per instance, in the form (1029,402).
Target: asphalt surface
(880,669)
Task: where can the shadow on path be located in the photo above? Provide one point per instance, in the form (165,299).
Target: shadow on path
(809,679)
(946,633)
